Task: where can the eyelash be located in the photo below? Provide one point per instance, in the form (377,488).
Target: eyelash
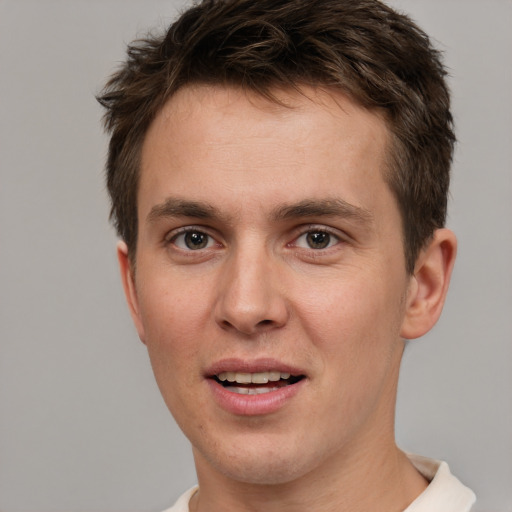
(189,230)
(333,239)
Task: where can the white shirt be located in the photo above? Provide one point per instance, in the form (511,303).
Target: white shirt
(444,494)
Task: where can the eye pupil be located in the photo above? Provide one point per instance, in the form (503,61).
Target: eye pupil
(318,239)
(196,240)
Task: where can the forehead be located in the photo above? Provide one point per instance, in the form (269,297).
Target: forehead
(311,142)
(313,107)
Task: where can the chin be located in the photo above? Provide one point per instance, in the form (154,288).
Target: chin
(263,472)
(260,465)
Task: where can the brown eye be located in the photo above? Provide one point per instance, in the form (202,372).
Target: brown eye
(318,239)
(196,240)
(193,240)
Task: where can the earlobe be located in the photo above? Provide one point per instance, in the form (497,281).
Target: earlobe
(429,284)
(130,291)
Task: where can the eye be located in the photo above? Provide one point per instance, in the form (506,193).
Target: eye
(317,239)
(193,240)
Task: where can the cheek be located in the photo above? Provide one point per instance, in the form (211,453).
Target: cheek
(171,308)
(353,321)
(355,330)
(172,348)
(346,308)
(174,327)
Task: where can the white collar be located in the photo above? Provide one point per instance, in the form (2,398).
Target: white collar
(445,493)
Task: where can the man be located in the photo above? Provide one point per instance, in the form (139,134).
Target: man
(279,174)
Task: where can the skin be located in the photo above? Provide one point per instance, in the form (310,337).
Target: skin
(231,168)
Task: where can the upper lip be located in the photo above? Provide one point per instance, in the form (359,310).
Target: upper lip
(251,366)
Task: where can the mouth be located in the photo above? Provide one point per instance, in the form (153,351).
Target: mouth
(258,383)
(255,387)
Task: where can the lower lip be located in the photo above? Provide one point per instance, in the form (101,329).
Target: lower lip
(253,405)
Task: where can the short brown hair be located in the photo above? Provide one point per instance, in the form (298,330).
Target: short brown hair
(376,55)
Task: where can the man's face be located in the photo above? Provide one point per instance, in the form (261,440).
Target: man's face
(270,249)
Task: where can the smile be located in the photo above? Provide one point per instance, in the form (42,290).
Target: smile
(254,387)
(257,383)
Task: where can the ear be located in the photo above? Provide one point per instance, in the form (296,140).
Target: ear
(130,292)
(429,284)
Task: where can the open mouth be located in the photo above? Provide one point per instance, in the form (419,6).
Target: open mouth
(256,383)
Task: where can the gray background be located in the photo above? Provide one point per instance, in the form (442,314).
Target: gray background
(82,425)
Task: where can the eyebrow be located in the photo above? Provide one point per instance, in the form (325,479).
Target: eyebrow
(174,207)
(330,207)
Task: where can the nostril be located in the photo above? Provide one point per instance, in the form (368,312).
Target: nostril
(264,325)
(225,324)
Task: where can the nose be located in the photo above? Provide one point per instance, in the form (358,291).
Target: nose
(250,298)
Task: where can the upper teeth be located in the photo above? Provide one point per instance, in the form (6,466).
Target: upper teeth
(254,378)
